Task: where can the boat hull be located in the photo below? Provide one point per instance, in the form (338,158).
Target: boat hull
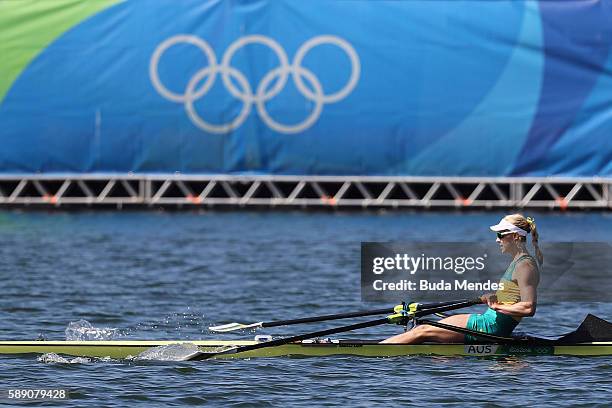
(126,349)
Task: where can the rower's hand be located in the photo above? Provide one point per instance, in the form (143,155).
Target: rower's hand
(489,299)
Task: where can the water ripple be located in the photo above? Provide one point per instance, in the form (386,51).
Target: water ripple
(171,275)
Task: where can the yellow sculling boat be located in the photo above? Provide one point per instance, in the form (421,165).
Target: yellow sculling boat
(592,338)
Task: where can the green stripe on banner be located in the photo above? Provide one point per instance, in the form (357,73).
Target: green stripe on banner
(29,26)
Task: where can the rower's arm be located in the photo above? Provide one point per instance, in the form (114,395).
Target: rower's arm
(527,278)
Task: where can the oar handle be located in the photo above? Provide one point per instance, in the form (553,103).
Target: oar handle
(327,317)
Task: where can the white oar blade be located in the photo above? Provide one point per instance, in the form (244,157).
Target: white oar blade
(205,355)
(233,326)
(191,356)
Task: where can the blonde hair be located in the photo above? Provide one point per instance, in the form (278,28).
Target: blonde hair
(528,224)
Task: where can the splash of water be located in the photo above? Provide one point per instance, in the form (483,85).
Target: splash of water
(83,330)
(55,358)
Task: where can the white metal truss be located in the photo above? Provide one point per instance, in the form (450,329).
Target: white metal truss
(304,191)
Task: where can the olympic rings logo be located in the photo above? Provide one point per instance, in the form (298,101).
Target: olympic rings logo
(263,92)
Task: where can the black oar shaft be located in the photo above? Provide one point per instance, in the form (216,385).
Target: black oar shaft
(327,317)
(462,330)
(311,335)
(286,340)
(447,306)
(468,302)
(292,339)
(363,313)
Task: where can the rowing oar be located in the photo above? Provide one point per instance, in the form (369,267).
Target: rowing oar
(397,318)
(239,326)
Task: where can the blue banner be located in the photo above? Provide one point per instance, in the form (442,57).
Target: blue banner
(337,87)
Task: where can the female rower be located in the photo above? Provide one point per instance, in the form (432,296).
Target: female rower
(517,298)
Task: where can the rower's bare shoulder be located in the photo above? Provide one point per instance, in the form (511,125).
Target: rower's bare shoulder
(527,270)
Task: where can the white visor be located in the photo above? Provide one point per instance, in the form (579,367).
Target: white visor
(508,226)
